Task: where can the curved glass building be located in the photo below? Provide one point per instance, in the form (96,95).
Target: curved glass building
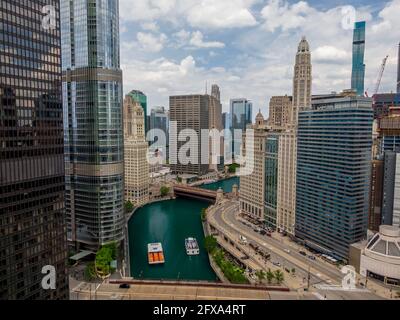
(93,124)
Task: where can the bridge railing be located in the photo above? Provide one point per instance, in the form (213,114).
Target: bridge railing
(199,284)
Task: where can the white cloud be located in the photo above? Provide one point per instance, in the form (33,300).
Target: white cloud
(330,54)
(197,41)
(193,40)
(187,65)
(221,14)
(151,43)
(279,14)
(197,13)
(182,35)
(150,26)
(145,10)
(389,21)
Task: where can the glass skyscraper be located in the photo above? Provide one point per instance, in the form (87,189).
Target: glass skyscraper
(32,213)
(240,116)
(391,189)
(333,173)
(93,123)
(159,120)
(271,179)
(358,71)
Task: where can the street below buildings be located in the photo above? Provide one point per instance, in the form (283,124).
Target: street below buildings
(324,278)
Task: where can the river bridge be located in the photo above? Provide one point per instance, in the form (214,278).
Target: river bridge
(195,193)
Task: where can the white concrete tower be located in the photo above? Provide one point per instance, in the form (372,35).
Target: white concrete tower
(136,149)
(287,151)
(302,80)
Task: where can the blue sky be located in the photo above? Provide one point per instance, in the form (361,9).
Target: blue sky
(248,47)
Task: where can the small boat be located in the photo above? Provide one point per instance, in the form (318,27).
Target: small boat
(192,247)
(155,253)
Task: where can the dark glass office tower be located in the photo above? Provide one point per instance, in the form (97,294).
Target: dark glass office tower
(358,71)
(333,173)
(241,116)
(32,221)
(92,101)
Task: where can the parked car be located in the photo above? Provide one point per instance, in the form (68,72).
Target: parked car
(311,257)
(287,250)
(124,286)
(263,232)
(303,253)
(276,264)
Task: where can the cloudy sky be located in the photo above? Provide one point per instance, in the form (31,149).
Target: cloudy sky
(248,47)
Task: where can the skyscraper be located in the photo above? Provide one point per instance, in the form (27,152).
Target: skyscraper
(240,115)
(225,116)
(215,122)
(287,150)
(376,195)
(215,92)
(358,69)
(389,131)
(398,71)
(302,80)
(280,109)
(93,124)
(135,154)
(252,186)
(271,179)
(188,112)
(141,98)
(258,189)
(159,120)
(333,173)
(32,213)
(391,189)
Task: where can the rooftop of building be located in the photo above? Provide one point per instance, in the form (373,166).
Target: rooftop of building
(334,100)
(385,244)
(304,47)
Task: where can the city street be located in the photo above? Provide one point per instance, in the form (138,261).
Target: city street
(284,253)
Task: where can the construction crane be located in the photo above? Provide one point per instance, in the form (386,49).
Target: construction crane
(378,83)
(380,75)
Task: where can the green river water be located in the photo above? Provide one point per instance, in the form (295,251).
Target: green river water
(170,222)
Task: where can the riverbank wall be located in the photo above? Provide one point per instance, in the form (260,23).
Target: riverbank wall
(213,265)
